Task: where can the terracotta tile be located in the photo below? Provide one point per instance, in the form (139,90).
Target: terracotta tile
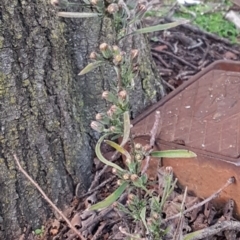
(203,114)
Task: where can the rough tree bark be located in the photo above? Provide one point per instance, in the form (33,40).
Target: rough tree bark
(45,108)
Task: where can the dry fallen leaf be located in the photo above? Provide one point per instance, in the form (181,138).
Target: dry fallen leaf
(55,227)
(76,220)
(160,47)
(230,55)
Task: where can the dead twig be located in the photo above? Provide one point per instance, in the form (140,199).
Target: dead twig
(215,229)
(166,43)
(98,187)
(123,231)
(161,60)
(185,73)
(229,181)
(98,232)
(153,134)
(47,199)
(174,56)
(178,235)
(168,84)
(155,128)
(114,157)
(205,53)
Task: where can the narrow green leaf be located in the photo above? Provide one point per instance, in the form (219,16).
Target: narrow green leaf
(194,235)
(91,66)
(127,126)
(180,153)
(160,27)
(77,15)
(119,148)
(102,158)
(111,198)
(143,218)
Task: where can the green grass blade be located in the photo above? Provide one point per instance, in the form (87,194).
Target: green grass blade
(77,15)
(160,27)
(119,148)
(181,153)
(102,158)
(91,66)
(111,198)
(127,126)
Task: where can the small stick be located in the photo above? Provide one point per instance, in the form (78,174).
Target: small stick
(114,157)
(47,199)
(155,128)
(179,231)
(123,231)
(178,58)
(185,73)
(229,181)
(153,134)
(146,165)
(215,229)
(166,43)
(168,84)
(98,232)
(160,59)
(98,187)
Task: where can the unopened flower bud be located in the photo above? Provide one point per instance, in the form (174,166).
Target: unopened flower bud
(117,59)
(55,2)
(94,2)
(98,116)
(97,126)
(119,182)
(131,196)
(155,216)
(138,146)
(134,53)
(128,160)
(134,177)
(113,108)
(103,47)
(169,170)
(105,50)
(126,176)
(138,157)
(110,97)
(109,113)
(122,94)
(116,49)
(105,94)
(93,55)
(112,129)
(114,170)
(114,204)
(150,221)
(113,8)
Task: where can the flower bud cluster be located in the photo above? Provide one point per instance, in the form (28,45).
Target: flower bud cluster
(112,120)
(110,53)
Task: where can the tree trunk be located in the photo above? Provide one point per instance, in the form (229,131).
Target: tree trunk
(46,108)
